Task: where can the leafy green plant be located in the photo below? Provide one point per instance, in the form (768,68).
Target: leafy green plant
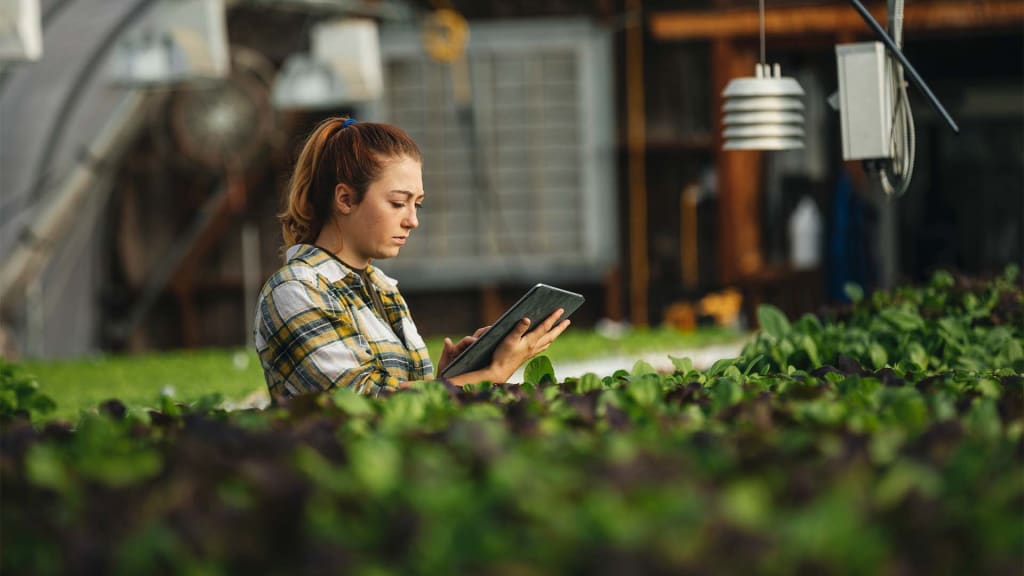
(20,395)
(806,454)
(944,325)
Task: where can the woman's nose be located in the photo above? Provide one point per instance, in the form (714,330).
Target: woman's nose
(411,220)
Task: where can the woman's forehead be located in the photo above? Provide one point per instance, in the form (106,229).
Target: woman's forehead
(401,174)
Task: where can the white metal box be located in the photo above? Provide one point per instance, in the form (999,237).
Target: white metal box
(865,100)
(178,41)
(21,32)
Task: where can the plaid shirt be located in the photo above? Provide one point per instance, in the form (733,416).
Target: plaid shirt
(316,329)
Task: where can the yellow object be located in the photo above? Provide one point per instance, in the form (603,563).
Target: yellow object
(724,306)
(681,316)
(445,34)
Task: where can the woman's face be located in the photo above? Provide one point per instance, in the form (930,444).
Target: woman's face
(380,225)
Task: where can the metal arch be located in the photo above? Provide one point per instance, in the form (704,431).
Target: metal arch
(67,104)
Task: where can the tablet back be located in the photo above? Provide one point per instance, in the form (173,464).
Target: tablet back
(537,304)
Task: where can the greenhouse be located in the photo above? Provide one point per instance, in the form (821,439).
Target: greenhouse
(388,287)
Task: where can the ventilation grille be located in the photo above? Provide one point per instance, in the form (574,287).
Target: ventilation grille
(528,210)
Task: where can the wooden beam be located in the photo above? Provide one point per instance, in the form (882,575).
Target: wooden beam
(832,19)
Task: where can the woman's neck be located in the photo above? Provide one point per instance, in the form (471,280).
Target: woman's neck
(330,239)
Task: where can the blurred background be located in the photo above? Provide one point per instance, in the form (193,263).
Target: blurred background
(145,146)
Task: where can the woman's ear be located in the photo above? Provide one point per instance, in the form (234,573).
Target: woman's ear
(344,198)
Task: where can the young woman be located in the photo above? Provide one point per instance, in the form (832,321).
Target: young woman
(328,318)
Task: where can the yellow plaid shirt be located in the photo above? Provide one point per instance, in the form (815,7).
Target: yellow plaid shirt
(316,329)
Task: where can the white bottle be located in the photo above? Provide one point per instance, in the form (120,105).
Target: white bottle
(805,235)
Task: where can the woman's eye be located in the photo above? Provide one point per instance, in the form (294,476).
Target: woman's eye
(418,206)
(398,204)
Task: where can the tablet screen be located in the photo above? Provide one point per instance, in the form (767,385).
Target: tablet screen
(537,304)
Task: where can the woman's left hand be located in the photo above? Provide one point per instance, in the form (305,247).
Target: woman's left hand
(451,351)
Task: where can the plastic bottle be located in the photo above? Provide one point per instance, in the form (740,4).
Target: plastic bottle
(805,229)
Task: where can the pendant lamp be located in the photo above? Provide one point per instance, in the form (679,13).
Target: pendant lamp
(763,112)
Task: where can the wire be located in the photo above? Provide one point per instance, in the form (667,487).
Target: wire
(896,174)
(760,8)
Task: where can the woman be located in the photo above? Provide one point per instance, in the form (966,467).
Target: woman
(328,318)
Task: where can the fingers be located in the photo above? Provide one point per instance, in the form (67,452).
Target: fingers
(481,331)
(521,327)
(463,344)
(550,320)
(546,331)
(554,333)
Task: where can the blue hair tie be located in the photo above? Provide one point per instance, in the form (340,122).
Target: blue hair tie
(348,122)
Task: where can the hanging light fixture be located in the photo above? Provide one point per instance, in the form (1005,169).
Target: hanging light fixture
(763,112)
(343,67)
(184,41)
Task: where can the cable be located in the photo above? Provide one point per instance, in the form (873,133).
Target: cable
(895,175)
(760,9)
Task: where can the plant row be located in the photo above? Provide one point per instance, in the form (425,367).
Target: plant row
(804,455)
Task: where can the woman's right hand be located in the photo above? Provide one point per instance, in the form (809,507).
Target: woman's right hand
(519,346)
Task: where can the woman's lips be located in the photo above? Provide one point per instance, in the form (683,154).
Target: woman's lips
(400,239)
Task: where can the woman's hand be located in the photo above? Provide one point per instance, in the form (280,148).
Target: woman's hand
(451,351)
(519,346)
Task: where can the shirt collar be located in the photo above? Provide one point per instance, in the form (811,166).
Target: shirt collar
(336,270)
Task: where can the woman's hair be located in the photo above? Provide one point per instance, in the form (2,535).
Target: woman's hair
(339,151)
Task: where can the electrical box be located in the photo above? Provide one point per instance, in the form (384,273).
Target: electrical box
(865,100)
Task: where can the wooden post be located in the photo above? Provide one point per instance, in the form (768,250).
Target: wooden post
(688,264)
(491,306)
(739,174)
(637,169)
(613,294)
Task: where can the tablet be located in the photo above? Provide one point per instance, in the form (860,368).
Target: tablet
(537,304)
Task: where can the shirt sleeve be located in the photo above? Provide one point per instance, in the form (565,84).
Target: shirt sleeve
(314,344)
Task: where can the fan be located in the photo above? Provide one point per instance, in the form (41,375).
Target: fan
(223,124)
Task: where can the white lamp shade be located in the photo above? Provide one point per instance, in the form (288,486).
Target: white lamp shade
(764,117)
(758,103)
(306,83)
(763,112)
(351,48)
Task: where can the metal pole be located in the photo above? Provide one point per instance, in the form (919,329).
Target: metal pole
(250,275)
(888,240)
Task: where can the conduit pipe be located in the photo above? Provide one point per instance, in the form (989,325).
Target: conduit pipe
(37,242)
